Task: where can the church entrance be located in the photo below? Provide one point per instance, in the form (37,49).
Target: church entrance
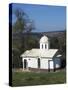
(38,62)
(25,64)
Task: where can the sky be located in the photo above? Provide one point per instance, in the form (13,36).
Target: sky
(47,18)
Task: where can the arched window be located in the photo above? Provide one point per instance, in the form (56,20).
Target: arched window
(38,62)
(42,46)
(45,45)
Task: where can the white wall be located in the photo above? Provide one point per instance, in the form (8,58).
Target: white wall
(44,63)
(51,64)
(32,62)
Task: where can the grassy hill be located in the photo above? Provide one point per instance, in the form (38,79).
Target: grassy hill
(32,78)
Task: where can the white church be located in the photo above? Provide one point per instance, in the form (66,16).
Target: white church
(41,59)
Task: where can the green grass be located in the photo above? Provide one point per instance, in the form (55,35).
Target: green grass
(31,78)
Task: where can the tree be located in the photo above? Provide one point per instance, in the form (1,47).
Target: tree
(59,42)
(54,42)
(22,23)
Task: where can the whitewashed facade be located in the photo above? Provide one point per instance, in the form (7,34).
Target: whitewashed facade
(43,58)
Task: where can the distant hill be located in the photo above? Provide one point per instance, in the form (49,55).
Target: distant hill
(39,34)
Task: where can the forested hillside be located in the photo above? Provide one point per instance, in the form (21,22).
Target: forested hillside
(26,41)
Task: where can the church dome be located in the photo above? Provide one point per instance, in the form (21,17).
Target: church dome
(44,39)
